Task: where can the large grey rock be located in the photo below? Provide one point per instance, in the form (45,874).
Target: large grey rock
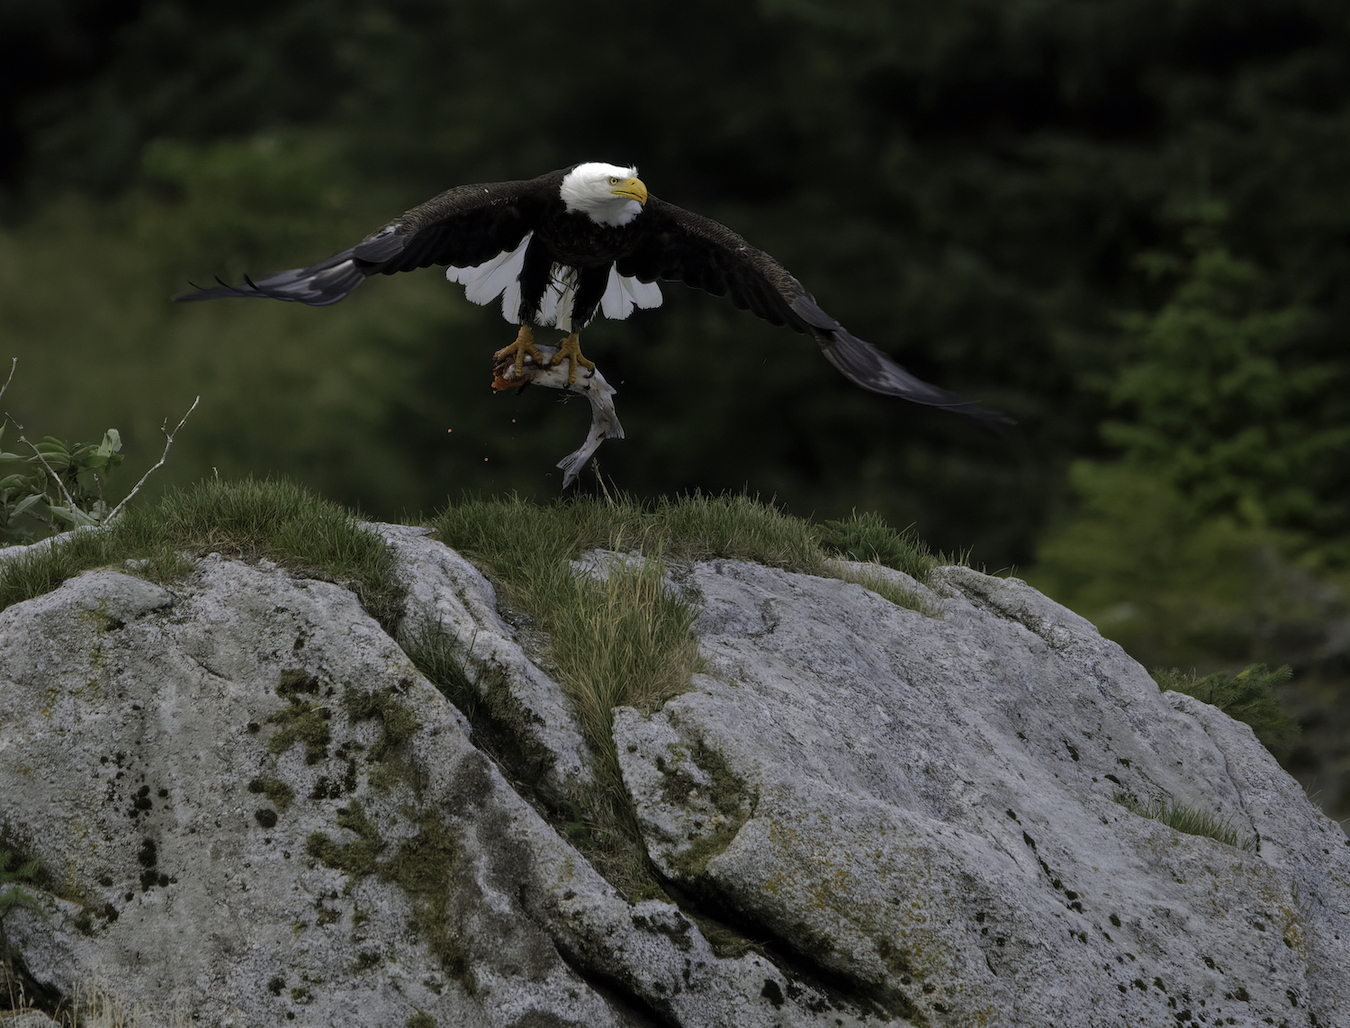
(268,816)
(28,1019)
(925,807)
(264,813)
(449,596)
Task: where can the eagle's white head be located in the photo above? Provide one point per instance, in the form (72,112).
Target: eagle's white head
(606,193)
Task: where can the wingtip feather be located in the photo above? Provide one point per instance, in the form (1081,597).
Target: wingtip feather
(223,289)
(866,366)
(320,285)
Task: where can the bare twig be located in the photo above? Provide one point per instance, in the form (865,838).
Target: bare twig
(14,363)
(168,441)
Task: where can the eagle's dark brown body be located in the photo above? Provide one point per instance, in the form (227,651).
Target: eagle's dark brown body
(469,226)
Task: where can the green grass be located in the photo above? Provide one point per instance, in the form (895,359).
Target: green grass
(688,528)
(867,537)
(433,653)
(516,541)
(625,639)
(249,519)
(16,872)
(618,640)
(506,537)
(892,592)
(734,527)
(1188,820)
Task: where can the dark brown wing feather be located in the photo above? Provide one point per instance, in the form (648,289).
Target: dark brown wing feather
(463,227)
(680,245)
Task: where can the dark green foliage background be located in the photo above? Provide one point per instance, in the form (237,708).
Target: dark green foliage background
(987,189)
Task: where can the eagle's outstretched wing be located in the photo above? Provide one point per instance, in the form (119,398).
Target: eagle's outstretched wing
(683,246)
(464,227)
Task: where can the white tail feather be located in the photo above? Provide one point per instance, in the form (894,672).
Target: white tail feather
(500,276)
(623,294)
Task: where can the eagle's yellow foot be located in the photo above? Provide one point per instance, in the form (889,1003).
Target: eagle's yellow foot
(520,349)
(570,348)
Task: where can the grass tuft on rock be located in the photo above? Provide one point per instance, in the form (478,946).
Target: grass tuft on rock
(622,636)
(1184,819)
(617,638)
(888,589)
(867,537)
(250,519)
(506,535)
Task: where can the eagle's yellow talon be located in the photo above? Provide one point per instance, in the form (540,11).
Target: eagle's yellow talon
(522,347)
(570,348)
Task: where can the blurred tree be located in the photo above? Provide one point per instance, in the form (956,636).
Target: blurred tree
(46,48)
(127,72)
(965,183)
(1222,394)
(1225,468)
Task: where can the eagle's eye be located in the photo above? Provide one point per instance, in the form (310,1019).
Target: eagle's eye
(613,181)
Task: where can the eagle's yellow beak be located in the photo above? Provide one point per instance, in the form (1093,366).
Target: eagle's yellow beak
(629,187)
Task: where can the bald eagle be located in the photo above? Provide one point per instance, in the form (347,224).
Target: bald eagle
(588,239)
